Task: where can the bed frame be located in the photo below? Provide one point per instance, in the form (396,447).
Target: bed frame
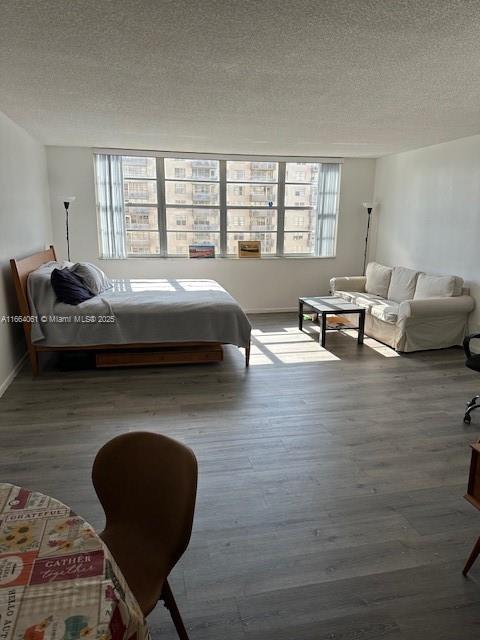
(110,355)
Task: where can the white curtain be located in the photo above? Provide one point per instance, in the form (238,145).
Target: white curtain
(327,208)
(111,211)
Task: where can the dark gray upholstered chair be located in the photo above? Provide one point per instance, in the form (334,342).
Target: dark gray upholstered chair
(472,362)
(147,485)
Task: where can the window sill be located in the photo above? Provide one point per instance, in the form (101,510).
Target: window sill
(155,257)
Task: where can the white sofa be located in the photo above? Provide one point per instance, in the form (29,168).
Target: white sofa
(409,310)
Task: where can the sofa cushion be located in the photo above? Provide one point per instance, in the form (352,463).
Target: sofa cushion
(347,295)
(356,297)
(378,279)
(402,285)
(434,287)
(367,300)
(386,310)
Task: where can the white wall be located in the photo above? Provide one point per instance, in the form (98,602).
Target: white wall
(24,223)
(429,211)
(268,284)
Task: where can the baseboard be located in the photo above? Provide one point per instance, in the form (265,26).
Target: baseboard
(12,375)
(276,310)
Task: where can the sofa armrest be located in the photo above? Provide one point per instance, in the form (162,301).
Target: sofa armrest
(431,307)
(348,283)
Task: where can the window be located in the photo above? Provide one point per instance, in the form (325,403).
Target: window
(141,205)
(252,205)
(200,205)
(311,207)
(170,203)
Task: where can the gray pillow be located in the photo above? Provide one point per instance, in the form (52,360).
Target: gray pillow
(93,277)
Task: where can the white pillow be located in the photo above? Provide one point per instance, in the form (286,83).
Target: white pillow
(58,264)
(93,277)
(434,286)
(402,284)
(378,279)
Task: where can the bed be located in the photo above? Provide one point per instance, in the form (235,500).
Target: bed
(137,322)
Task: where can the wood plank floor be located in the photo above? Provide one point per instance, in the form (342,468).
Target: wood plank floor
(330,492)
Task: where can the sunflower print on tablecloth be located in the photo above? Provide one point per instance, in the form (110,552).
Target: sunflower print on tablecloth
(19,537)
(69,535)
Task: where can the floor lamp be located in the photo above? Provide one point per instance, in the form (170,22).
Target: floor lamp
(66,203)
(369,207)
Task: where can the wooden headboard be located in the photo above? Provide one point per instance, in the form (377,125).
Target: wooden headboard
(21,269)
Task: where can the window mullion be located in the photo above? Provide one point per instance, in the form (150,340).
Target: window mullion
(162,214)
(319,211)
(281,208)
(223,207)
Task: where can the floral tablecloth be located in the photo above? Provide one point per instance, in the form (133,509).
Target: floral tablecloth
(58,580)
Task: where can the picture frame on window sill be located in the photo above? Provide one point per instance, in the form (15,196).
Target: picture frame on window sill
(201,251)
(249,249)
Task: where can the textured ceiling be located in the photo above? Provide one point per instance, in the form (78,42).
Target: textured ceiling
(297,77)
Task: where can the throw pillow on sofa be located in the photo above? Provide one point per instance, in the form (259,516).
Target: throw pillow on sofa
(378,279)
(434,286)
(402,284)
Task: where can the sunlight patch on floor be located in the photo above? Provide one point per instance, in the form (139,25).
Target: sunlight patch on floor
(294,347)
(307,356)
(259,358)
(272,338)
(291,346)
(378,347)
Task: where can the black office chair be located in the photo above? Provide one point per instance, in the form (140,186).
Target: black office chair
(472,362)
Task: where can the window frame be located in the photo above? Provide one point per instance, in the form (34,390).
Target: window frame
(222,206)
(205,183)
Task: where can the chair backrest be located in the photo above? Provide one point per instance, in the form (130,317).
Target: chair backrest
(147,485)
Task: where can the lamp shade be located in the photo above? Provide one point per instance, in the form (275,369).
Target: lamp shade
(368,205)
(69,199)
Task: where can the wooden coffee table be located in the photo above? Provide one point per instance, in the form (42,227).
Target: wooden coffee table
(331,305)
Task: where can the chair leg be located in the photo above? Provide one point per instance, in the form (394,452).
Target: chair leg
(471,406)
(472,557)
(473,401)
(171,605)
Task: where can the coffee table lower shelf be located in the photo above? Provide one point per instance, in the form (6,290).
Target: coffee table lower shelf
(328,306)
